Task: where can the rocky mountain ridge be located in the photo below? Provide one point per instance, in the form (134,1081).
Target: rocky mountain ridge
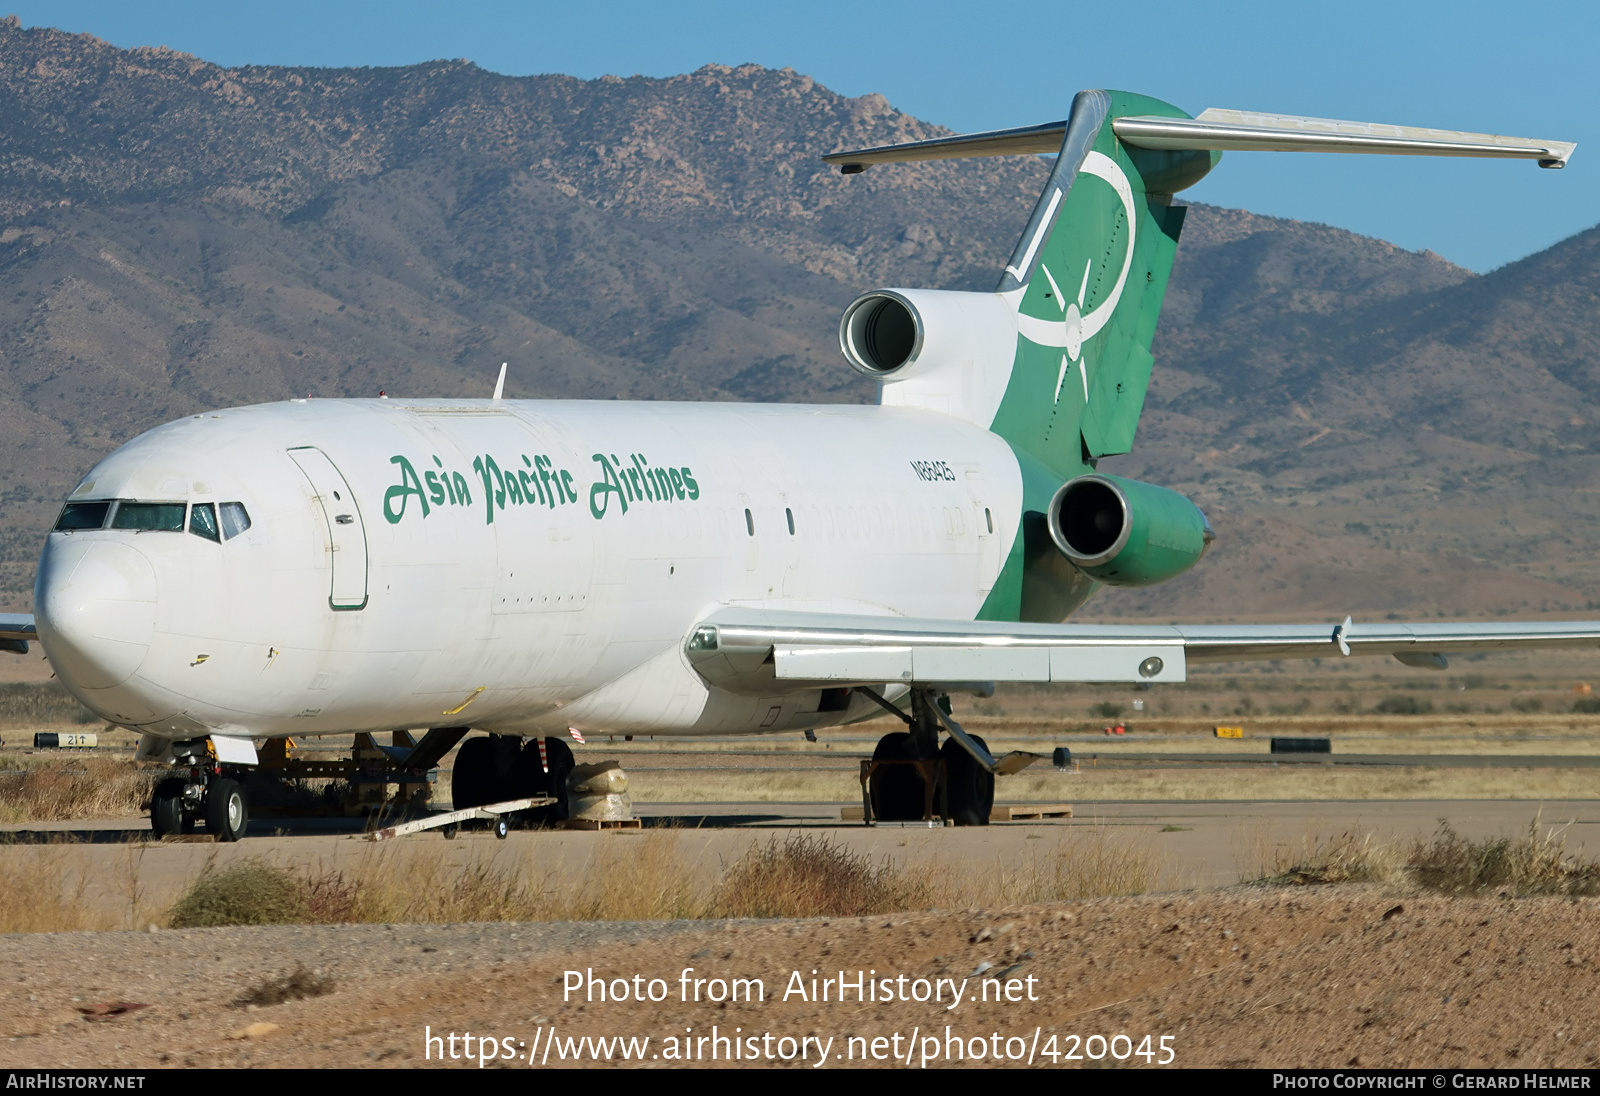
(1370,429)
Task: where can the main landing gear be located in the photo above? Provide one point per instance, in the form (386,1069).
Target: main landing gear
(499,767)
(913,778)
(211,792)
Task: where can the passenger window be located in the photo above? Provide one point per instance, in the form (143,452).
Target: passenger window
(203,521)
(234,519)
(749,523)
(789,513)
(83,515)
(150,517)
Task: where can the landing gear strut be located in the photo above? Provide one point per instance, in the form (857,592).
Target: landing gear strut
(911,777)
(210,791)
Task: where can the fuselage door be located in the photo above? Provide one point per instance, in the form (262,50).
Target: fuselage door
(347,534)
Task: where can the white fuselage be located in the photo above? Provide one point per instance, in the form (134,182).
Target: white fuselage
(510,565)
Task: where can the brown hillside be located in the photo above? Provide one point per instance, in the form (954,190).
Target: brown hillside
(1369,428)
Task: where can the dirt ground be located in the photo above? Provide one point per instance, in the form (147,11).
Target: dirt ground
(1243,977)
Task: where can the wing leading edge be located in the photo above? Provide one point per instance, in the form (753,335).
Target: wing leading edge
(757,650)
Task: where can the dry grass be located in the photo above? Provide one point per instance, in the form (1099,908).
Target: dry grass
(636,879)
(44,703)
(1532,864)
(1344,858)
(88,788)
(44,888)
(1084,862)
(1447,863)
(1302,783)
(645,878)
(1286,782)
(40,892)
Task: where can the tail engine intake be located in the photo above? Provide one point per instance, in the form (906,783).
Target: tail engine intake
(1125,533)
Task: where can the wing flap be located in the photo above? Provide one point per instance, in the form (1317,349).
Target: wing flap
(759,650)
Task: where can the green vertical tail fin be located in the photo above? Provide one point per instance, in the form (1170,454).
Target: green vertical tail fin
(1087,281)
(1057,359)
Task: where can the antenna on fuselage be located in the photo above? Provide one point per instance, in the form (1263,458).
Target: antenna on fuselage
(500,385)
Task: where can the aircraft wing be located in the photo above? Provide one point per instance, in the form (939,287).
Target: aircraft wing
(16,629)
(756,650)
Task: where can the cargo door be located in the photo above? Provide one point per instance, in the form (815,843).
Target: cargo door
(347,534)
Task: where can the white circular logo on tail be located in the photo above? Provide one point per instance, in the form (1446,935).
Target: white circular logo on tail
(1075,326)
(1106,168)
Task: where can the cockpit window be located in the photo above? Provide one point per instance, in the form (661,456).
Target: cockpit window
(203,521)
(151,517)
(83,515)
(234,519)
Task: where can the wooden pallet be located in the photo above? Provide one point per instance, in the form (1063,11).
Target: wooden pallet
(603,824)
(1030,812)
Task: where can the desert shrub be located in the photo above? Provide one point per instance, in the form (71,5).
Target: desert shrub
(1106,710)
(1344,858)
(812,876)
(1587,705)
(1403,705)
(248,892)
(1528,865)
(1527,704)
(300,984)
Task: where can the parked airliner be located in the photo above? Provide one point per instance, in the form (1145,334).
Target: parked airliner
(528,567)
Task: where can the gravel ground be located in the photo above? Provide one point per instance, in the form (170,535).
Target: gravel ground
(1245,977)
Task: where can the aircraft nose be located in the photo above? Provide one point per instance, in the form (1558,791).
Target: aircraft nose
(95,603)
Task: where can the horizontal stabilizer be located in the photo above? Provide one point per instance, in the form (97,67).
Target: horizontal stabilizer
(1035,140)
(1219,130)
(1243,131)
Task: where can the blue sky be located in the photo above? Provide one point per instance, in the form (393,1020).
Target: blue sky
(1522,69)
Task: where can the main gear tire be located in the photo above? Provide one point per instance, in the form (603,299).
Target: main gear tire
(472,779)
(166,808)
(969,787)
(898,792)
(227,810)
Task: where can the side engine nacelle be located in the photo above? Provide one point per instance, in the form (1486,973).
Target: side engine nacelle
(1125,533)
(933,348)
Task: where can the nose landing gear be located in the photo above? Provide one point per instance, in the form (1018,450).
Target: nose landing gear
(209,791)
